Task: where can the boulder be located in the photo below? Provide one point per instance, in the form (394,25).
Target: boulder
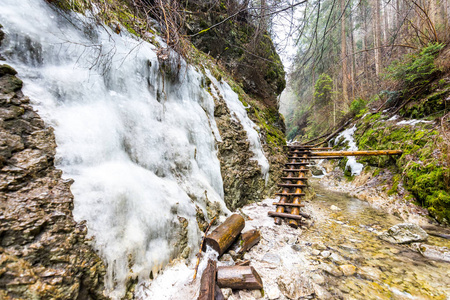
(404,233)
(433,252)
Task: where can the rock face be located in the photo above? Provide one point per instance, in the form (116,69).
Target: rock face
(44,253)
(404,233)
(243,182)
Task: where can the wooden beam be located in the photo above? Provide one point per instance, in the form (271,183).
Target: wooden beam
(289,204)
(294,178)
(289,216)
(291,185)
(223,236)
(358,153)
(239,277)
(290,194)
(208,282)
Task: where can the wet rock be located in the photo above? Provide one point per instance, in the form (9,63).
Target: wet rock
(330,269)
(404,233)
(370,273)
(317,278)
(348,270)
(271,258)
(316,171)
(294,287)
(44,252)
(322,293)
(315,252)
(319,246)
(296,247)
(334,208)
(433,252)
(325,254)
(227,293)
(336,258)
(272,292)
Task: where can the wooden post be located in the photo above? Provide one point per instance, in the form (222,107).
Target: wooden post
(248,240)
(208,282)
(223,236)
(239,277)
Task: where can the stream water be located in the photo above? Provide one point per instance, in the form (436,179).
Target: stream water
(383,270)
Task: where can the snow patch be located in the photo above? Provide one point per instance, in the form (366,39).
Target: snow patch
(355,167)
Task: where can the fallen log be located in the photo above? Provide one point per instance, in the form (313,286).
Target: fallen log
(239,277)
(289,216)
(358,153)
(223,236)
(248,240)
(208,282)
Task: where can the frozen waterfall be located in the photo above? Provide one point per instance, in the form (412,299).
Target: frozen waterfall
(141,149)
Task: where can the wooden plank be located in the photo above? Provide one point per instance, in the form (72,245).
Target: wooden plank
(289,216)
(358,153)
(297,164)
(238,278)
(208,282)
(296,170)
(291,185)
(325,157)
(290,194)
(294,178)
(223,236)
(289,204)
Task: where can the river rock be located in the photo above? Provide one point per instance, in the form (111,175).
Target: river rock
(322,293)
(404,233)
(294,287)
(330,269)
(370,273)
(227,293)
(316,171)
(433,252)
(348,270)
(272,292)
(271,258)
(337,259)
(335,208)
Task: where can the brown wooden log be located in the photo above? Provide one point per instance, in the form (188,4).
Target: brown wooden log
(208,282)
(358,153)
(243,263)
(297,164)
(289,216)
(294,178)
(291,185)
(223,236)
(239,277)
(248,240)
(325,157)
(290,194)
(295,170)
(289,204)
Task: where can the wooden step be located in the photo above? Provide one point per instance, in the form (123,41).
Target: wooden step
(325,157)
(295,170)
(297,164)
(291,185)
(294,178)
(298,157)
(289,204)
(290,194)
(288,216)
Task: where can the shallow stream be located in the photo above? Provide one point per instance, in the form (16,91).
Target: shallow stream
(383,270)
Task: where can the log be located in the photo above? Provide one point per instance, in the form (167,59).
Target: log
(289,216)
(208,282)
(243,263)
(291,185)
(294,178)
(295,170)
(239,277)
(288,204)
(290,194)
(325,157)
(223,236)
(297,164)
(358,153)
(248,240)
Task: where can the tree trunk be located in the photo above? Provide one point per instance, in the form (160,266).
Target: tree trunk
(239,277)
(344,55)
(223,236)
(377,31)
(248,240)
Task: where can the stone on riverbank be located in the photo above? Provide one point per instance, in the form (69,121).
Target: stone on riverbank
(433,252)
(404,233)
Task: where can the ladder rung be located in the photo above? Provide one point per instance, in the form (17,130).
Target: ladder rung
(298,157)
(284,215)
(290,194)
(295,170)
(294,178)
(289,204)
(291,185)
(297,164)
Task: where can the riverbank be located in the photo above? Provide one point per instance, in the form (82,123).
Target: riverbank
(338,256)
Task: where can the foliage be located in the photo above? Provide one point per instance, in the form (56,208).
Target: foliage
(415,67)
(357,106)
(323,90)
